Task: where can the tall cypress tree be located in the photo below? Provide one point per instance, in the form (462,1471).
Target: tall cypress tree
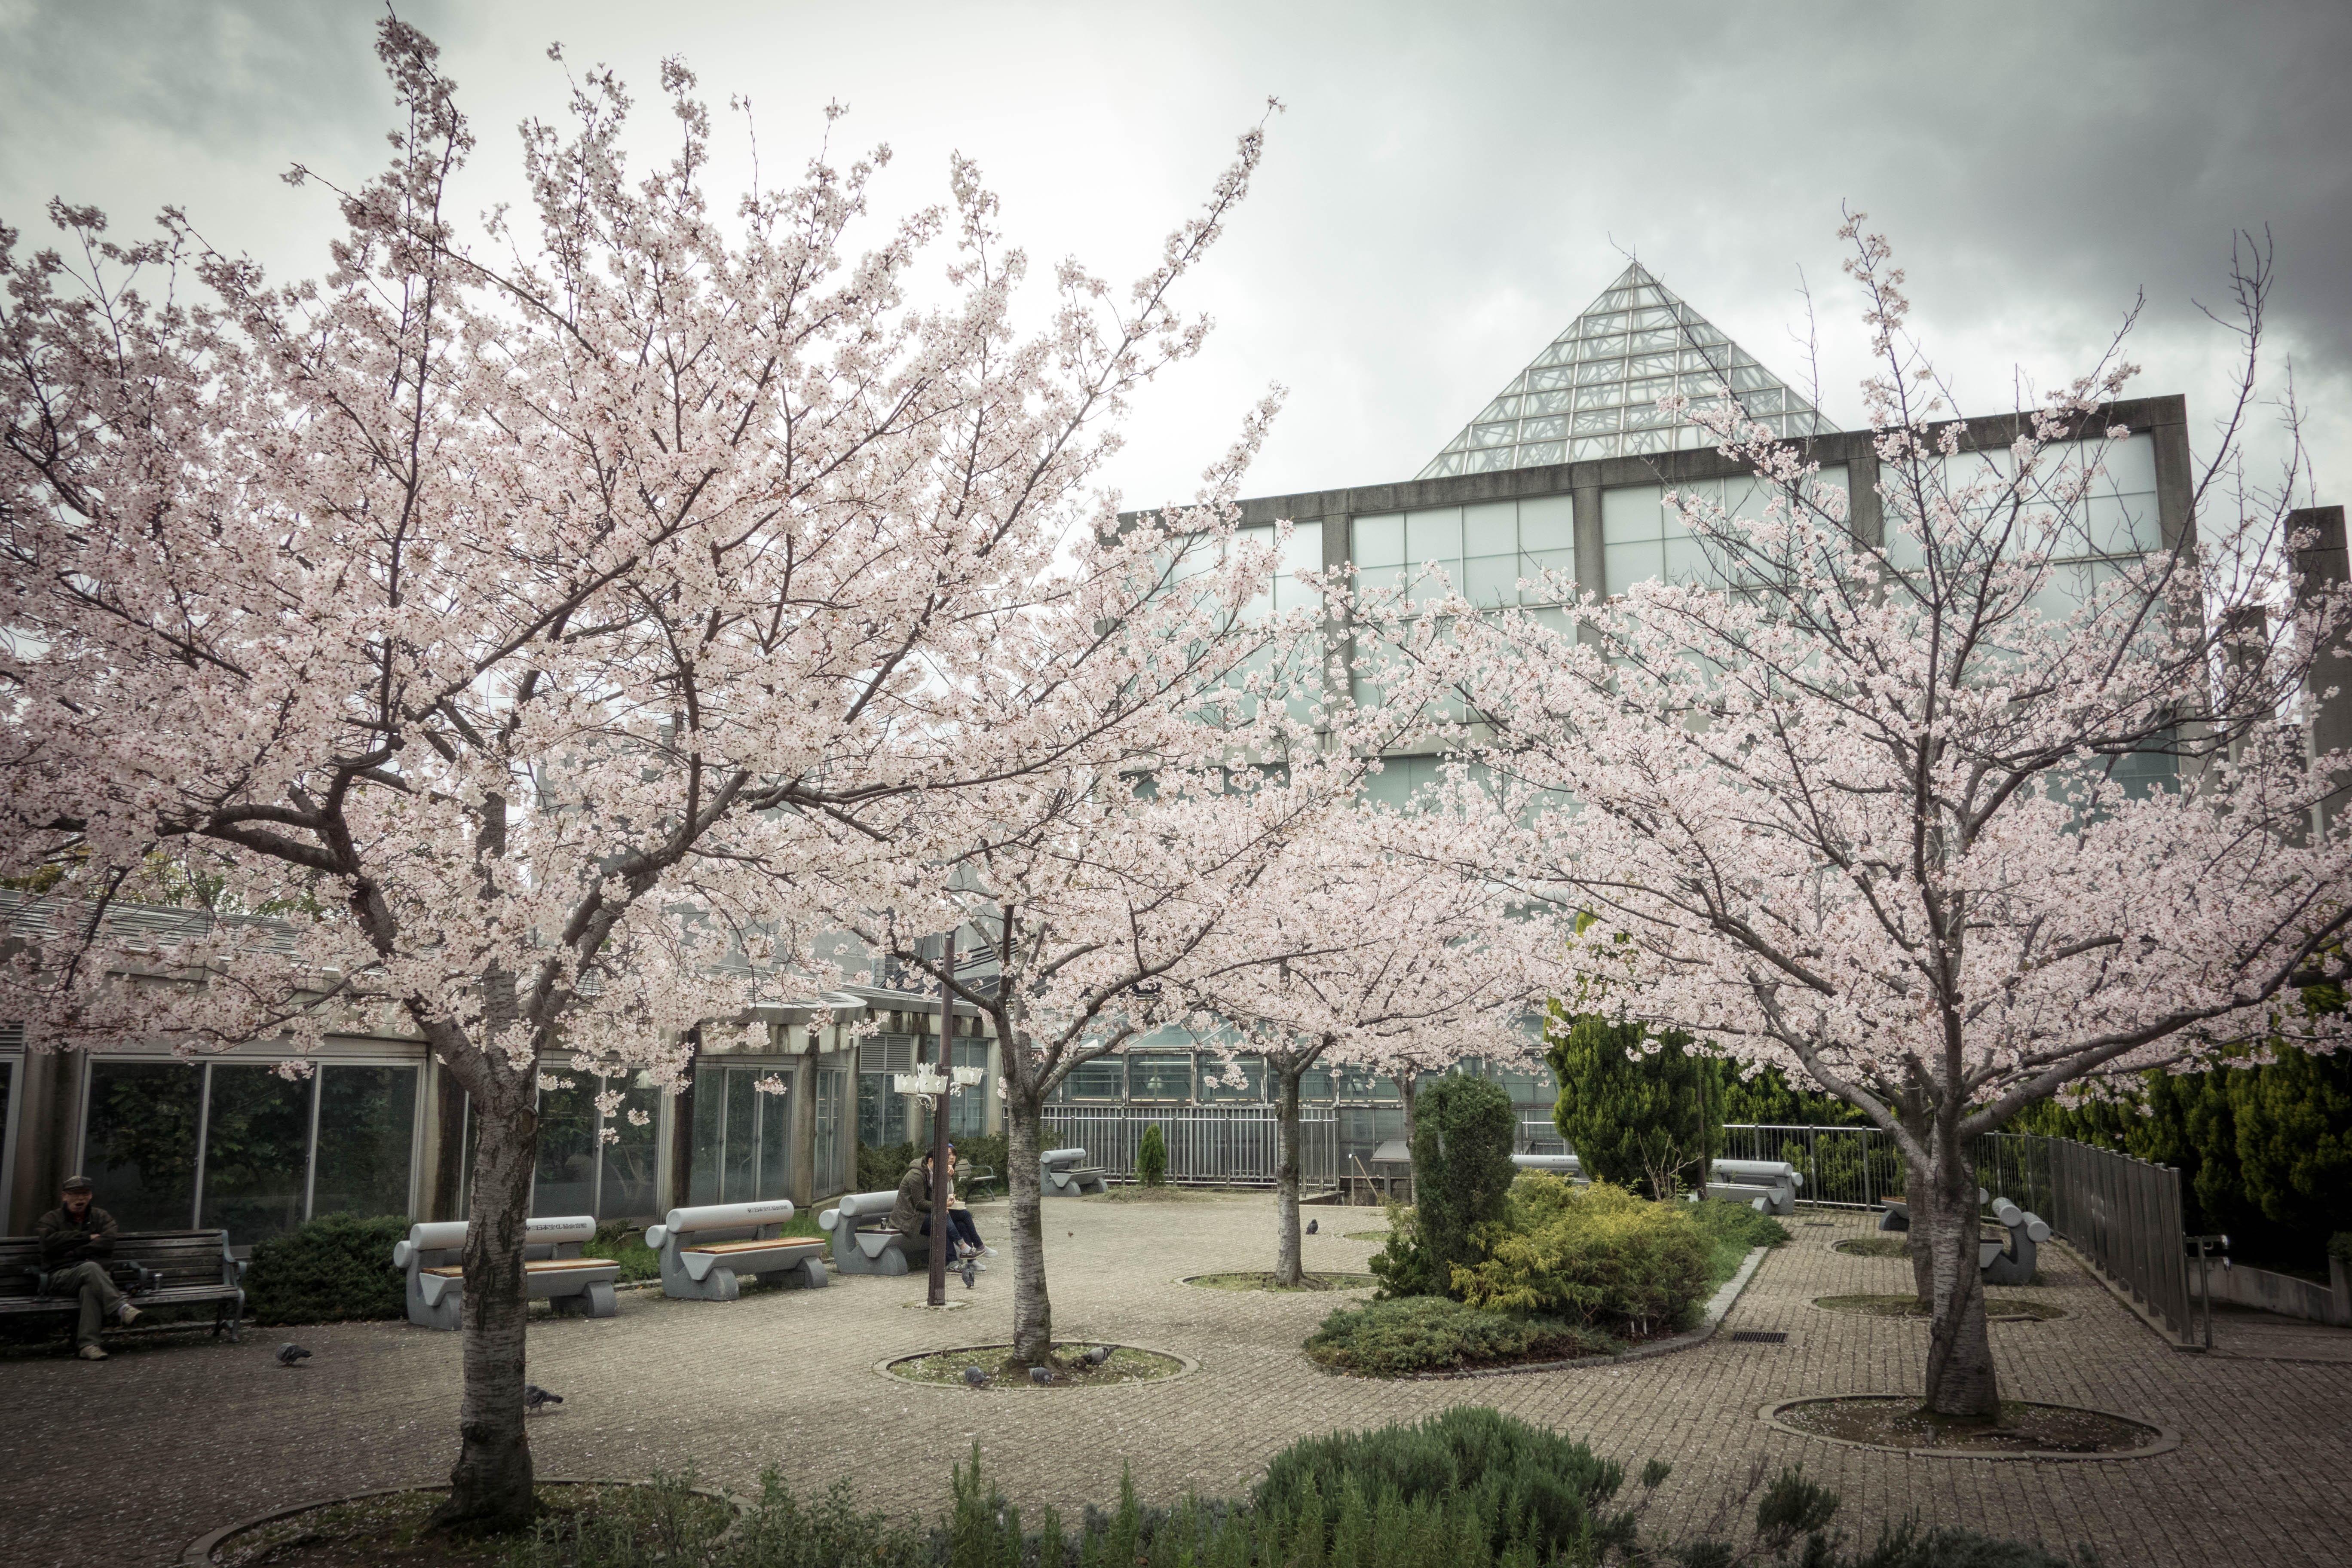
(1634,1107)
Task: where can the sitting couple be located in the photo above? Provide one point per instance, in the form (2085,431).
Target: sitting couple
(911,1215)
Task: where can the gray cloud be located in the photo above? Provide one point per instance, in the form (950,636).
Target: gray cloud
(1448,188)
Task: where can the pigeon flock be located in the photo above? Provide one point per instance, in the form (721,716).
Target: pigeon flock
(1098,1356)
(292,1354)
(975,1376)
(1311,1225)
(537,1399)
(1040,1376)
(971,1278)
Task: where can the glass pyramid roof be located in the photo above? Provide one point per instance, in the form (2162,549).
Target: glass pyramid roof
(1594,392)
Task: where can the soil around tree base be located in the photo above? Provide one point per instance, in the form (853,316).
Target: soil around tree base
(1262,1280)
(2023,1429)
(388,1529)
(1070,1369)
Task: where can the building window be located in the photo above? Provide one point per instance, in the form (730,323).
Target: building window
(234,1146)
(1642,538)
(1483,550)
(967,1107)
(1105,1078)
(1215,1070)
(1159,1078)
(743,1133)
(832,1159)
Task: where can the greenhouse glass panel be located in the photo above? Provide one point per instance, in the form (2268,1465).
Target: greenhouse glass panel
(367,1125)
(140,1141)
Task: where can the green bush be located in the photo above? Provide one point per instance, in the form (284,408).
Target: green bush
(1639,1110)
(2340,1245)
(1433,1333)
(1474,1483)
(337,1269)
(1594,1255)
(1151,1157)
(1732,1231)
(1462,1174)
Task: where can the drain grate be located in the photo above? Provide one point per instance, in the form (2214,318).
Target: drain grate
(1817,1222)
(1759,1337)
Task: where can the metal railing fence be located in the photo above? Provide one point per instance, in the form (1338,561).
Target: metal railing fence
(2121,1214)
(1208,1145)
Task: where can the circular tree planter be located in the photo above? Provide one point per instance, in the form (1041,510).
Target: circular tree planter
(1367,1235)
(1128,1365)
(1998,1308)
(1873,1247)
(385,1526)
(1894,1423)
(1262,1280)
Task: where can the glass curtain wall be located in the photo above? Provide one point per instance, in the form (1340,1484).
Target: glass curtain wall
(967,1107)
(1642,538)
(236,1146)
(832,1150)
(743,1133)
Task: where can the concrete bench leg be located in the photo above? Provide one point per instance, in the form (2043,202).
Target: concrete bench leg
(808,1274)
(600,1300)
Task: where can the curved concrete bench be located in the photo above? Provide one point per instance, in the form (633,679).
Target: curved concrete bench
(553,1270)
(705,1251)
(863,1241)
(1064,1173)
(2013,1263)
(1782,1178)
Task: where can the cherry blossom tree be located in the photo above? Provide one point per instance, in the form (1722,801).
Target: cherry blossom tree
(534,600)
(1385,943)
(1949,823)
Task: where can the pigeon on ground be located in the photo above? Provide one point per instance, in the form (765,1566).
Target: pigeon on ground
(1039,1375)
(290,1354)
(535,1397)
(975,1376)
(970,1276)
(1311,1225)
(1098,1356)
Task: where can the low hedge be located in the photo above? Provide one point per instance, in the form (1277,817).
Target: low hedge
(1434,1334)
(1732,1232)
(1593,1255)
(337,1269)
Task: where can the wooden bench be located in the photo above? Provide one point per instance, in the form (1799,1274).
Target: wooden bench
(1780,1177)
(705,1251)
(863,1241)
(553,1270)
(1064,1173)
(154,1268)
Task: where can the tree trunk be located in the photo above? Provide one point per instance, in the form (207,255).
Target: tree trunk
(1286,1269)
(491,1486)
(1960,1378)
(1032,1312)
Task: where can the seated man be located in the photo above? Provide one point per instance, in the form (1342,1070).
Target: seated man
(77,1239)
(911,1215)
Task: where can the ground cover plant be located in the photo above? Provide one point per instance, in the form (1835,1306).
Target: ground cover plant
(1469,1488)
(1435,1333)
(1996,1307)
(1268,1279)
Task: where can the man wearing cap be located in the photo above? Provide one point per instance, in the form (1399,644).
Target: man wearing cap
(77,1239)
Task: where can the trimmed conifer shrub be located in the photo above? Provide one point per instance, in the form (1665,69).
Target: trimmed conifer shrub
(1151,1157)
(337,1269)
(1640,1110)
(1462,1175)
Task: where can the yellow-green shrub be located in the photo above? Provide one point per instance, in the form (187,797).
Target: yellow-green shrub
(1594,1255)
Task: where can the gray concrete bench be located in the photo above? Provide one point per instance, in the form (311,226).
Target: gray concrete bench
(1064,1173)
(706,1251)
(2012,1263)
(553,1270)
(154,1268)
(1780,1176)
(863,1241)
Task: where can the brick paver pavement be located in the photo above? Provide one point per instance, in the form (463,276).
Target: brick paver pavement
(122,1463)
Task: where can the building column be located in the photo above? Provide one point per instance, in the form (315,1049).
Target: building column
(2321,568)
(804,1103)
(1591,561)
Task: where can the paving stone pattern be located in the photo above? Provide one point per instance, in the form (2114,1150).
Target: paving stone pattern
(122,1463)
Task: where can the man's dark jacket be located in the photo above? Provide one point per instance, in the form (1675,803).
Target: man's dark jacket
(66,1240)
(914,1205)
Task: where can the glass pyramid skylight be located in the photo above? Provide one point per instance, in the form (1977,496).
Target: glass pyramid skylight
(1594,392)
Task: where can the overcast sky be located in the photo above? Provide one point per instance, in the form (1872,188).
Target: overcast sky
(1449,187)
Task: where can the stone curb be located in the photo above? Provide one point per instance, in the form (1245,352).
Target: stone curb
(2165,1441)
(1186,1366)
(1718,1307)
(198,1552)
